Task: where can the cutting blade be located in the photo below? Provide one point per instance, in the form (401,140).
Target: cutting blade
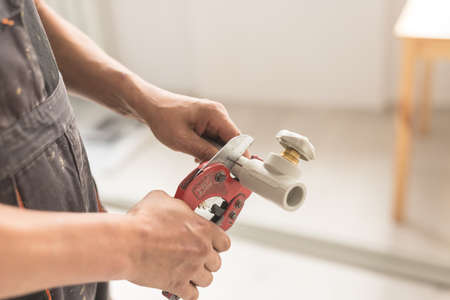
(232,151)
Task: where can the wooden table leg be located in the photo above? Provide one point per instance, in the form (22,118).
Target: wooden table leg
(425,111)
(403,128)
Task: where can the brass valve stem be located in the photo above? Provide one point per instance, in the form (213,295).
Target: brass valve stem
(291,155)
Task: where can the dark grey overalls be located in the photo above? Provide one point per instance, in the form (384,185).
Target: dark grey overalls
(43,164)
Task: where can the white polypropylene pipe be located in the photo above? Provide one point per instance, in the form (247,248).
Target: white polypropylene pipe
(283,190)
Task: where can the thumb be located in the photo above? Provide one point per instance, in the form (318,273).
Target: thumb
(199,147)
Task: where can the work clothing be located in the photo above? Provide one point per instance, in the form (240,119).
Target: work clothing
(43,164)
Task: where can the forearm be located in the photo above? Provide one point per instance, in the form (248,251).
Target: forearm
(177,121)
(46,249)
(89,71)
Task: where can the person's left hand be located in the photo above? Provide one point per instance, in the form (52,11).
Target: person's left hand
(179,122)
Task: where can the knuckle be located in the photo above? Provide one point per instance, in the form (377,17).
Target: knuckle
(203,153)
(190,292)
(226,242)
(159,193)
(195,294)
(177,286)
(205,225)
(218,264)
(214,106)
(202,226)
(190,269)
(201,249)
(210,279)
(220,106)
(178,145)
(156,193)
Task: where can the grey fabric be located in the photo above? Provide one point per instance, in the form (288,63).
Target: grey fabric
(31,133)
(41,46)
(43,163)
(22,86)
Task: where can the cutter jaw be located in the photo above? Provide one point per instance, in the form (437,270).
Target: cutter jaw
(232,151)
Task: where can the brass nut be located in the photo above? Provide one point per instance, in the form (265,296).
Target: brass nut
(291,155)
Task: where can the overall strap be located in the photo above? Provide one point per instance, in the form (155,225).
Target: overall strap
(26,139)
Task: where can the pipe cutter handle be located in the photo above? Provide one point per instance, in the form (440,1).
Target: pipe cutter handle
(208,181)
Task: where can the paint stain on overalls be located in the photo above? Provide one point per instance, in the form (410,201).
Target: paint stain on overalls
(43,164)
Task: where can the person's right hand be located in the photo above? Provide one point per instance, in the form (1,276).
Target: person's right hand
(178,250)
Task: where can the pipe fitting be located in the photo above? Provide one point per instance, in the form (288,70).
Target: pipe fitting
(282,189)
(276,178)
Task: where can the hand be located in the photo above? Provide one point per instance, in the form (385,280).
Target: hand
(179,122)
(178,249)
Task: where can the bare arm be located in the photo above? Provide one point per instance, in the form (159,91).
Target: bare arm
(160,243)
(87,70)
(45,249)
(39,250)
(177,121)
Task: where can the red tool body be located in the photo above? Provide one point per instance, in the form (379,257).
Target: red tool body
(212,179)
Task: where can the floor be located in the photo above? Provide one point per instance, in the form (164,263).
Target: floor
(253,272)
(348,202)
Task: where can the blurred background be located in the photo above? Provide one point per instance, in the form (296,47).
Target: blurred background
(376,221)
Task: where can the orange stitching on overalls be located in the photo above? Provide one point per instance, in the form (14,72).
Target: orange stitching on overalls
(9,22)
(99,204)
(49,296)
(19,198)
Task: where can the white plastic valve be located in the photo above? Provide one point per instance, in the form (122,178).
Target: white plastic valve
(298,142)
(277,177)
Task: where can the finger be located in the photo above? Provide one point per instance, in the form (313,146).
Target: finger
(213,262)
(246,154)
(158,194)
(226,129)
(218,126)
(151,196)
(188,292)
(199,147)
(220,240)
(203,278)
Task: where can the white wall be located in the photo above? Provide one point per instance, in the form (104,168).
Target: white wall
(313,53)
(322,53)
(85,14)
(152,38)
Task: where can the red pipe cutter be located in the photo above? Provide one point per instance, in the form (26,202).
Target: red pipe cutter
(212,191)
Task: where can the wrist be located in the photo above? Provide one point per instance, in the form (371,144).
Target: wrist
(117,240)
(141,97)
(127,234)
